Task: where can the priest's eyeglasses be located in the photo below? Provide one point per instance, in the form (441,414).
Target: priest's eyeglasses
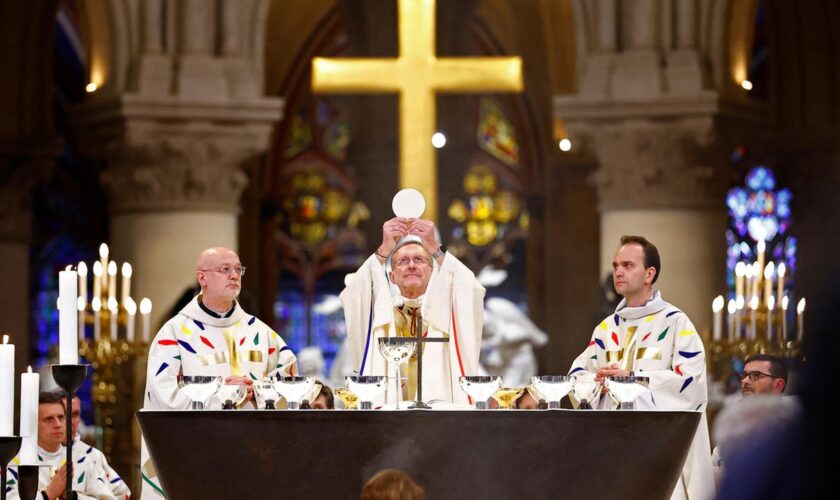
(417,260)
(754,375)
(240,270)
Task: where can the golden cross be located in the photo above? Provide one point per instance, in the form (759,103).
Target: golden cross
(416,74)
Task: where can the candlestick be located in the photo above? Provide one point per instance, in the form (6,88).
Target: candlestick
(740,272)
(97,280)
(771,303)
(83,272)
(112,280)
(145,310)
(739,315)
(126,282)
(80,306)
(7,387)
(760,247)
(732,310)
(113,307)
(780,282)
(753,308)
(785,301)
(131,310)
(103,256)
(29,387)
(717,308)
(800,319)
(96,305)
(756,272)
(68,332)
(769,271)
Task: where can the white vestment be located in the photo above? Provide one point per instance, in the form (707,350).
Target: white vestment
(452,306)
(196,343)
(658,341)
(92,476)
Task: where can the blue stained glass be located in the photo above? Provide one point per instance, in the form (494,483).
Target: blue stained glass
(783,198)
(761,178)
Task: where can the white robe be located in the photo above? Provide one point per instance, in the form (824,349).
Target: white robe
(669,351)
(93,478)
(195,343)
(453,306)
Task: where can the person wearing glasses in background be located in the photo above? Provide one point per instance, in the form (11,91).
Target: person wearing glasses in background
(412,279)
(763,378)
(212,335)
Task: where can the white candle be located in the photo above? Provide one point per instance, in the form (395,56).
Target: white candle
(7,387)
(740,272)
(103,256)
(97,280)
(800,319)
(83,272)
(114,309)
(145,310)
(756,271)
(739,304)
(780,285)
(96,305)
(754,308)
(126,282)
(717,309)
(68,330)
(771,304)
(29,387)
(785,301)
(81,305)
(112,280)
(732,310)
(131,310)
(769,271)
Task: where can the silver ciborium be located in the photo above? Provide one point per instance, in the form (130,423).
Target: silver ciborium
(199,388)
(553,388)
(367,388)
(232,395)
(293,389)
(586,390)
(625,390)
(480,388)
(266,394)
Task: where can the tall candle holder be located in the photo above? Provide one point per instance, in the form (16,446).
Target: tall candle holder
(28,480)
(69,378)
(9,447)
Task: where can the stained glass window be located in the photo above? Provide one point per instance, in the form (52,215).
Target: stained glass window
(496,134)
(759,211)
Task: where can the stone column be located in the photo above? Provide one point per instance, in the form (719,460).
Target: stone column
(174,183)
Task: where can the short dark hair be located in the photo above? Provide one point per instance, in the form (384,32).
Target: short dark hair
(651,253)
(777,366)
(51,397)
(328,396)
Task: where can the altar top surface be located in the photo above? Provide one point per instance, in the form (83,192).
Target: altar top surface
(451,453)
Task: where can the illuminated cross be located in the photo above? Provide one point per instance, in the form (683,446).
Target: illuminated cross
(416,75)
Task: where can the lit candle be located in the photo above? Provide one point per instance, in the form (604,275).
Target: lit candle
(732,310)
(112,280)
(739,305)
(145,310)
(131,310)
(103,256)
(784,316)
(97,280)
(126,282)
(114,308)
(68,330)
(717,309)
(83,272)
(740,272)
(760,247)
(769,271)
(7,387)
(780,285)
(754,308)
(800,319)
(96,305)
(81,307)
(771,304)
(29,387)
(756,271)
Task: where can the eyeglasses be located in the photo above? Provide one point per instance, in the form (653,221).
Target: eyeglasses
(418,261)
(240,270)
(754,375)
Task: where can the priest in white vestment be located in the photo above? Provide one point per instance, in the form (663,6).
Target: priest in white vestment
(653,339)
(212,335)
(429,283)
(93,478)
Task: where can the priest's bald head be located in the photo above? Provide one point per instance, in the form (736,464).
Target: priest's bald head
(219,272)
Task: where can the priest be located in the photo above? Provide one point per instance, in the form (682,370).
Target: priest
(652,338)
(412,279)
(212,335)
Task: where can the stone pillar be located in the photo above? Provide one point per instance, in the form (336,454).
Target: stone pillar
(174,183)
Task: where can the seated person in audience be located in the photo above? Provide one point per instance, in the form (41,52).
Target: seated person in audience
(763,374)
(324,400)
(526,402)
(392,484)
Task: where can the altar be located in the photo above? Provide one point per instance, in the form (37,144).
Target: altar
(451,454)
